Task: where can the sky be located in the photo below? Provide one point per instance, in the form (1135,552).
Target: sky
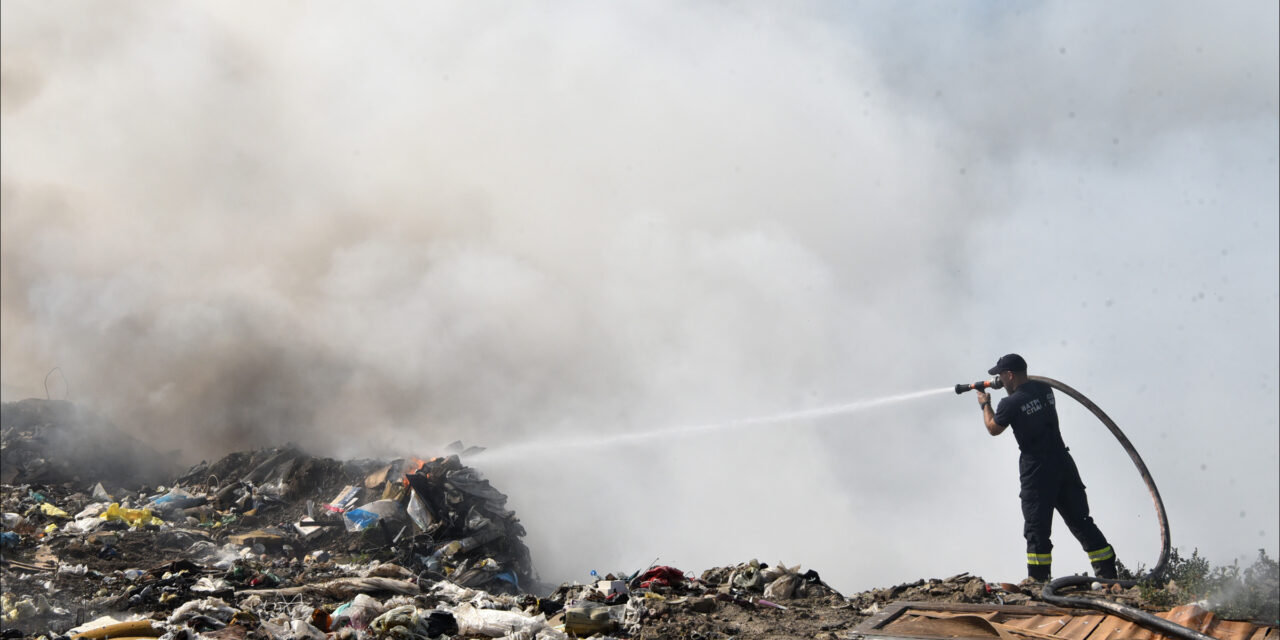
(552,229)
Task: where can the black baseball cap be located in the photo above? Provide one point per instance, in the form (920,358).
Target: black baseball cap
(1010,362)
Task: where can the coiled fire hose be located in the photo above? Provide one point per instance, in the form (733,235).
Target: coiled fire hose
(1128,613)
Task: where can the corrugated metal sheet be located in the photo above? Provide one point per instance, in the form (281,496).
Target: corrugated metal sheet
(931,620)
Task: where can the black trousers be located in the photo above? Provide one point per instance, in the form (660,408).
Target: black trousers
(1052,483)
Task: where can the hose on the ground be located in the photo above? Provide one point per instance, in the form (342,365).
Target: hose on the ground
(1128,613)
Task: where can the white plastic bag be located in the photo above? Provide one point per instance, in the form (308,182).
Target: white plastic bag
(303,630)
(782,588)
(418,512)
(212,607)
(495,623)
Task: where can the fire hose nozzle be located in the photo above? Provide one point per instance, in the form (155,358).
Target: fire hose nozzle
(981,385)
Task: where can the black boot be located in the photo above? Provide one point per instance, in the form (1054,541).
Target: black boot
(1105,569)
(1038,572)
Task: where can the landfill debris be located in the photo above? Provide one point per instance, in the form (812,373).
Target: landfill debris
(50,442)
(277,543)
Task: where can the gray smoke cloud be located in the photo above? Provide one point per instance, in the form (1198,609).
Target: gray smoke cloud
(375,230)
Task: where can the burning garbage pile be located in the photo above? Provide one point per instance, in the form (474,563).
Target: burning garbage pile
(273,524)
(437,517)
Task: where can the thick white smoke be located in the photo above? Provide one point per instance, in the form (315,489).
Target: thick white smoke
(377,229)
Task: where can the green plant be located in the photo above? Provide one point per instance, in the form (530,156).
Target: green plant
(1123,572)
(1252,593)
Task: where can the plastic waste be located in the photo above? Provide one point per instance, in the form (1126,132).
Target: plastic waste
(175,493)
(452,592)
(496,623)
(418,512)
(748,577)
(386,509)
(303,630)
(402,622)
(92,511)
(344,500)
(359,520)
(100,493)
(358,613)
(783,587)
(176,500)
(213,607)
(135,517)
(207,584)
(777,571)
(765,603)
(87,520)
(52,511)
(9,540)
(16,609)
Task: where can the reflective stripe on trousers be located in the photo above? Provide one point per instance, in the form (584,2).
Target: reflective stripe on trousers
(1040,559)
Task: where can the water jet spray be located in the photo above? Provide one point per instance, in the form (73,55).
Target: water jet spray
(521,450)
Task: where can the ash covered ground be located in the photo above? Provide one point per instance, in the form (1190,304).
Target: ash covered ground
(279,543)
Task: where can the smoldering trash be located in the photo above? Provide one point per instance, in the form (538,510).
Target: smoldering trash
(103,541)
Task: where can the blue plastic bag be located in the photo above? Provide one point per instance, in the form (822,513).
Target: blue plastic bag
(359,519)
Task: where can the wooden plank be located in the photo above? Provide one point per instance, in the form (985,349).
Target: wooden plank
(1232,630)
(1107,629)
(1037,624)
(1027,631)
(1079,627)
(1190,616)
(1056,623)
(883,636)
(1125,630)
(989,617)
(1047,624)
(36,568)
(1140,632)
(946,626)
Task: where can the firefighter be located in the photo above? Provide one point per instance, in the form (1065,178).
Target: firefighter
(1048,475)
